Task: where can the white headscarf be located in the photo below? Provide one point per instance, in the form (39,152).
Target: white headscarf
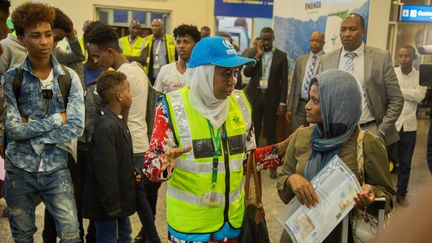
(202,98)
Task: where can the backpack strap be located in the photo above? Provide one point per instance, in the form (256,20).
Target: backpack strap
(65,82)
(360,156)
(17,81)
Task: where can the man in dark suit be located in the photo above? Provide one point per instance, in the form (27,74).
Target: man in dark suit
(267,88)
(305,68)
(373,68)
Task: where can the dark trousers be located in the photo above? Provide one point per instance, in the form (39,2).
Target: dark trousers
(429,146)
(404,151)
(49,234)
(113,231)
(145,210)
(262,113)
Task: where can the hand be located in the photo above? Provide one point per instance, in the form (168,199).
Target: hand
(281,110)
(137,176)
(170,158)
(259,53)
(63,117)
(282,146)
(2,151)
(24,119)
(288,116)
(366,198)
(303,190)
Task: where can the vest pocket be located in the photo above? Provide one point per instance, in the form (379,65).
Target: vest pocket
(202,148)
(236,144)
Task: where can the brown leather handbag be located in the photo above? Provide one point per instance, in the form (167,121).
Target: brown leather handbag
(254,227)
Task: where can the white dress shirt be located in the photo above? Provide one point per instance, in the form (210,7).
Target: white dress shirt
(413,94)
(358,73)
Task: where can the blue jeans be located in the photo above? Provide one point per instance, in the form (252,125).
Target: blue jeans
(406,146)
(143,207)
(113,230)
(56,190)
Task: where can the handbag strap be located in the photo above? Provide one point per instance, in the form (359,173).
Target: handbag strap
(251,171)
(360,156)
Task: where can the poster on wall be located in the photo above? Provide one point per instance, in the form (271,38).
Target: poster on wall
(244,8)
(295,20)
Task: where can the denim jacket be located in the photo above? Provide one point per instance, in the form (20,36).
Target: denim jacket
(37,140)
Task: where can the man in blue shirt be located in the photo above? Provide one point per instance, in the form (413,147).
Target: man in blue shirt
(42,129)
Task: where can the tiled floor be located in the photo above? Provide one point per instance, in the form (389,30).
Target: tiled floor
(419,176)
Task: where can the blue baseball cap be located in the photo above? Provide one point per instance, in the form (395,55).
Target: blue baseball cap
(217,51)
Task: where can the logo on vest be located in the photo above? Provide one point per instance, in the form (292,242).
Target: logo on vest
(236,120)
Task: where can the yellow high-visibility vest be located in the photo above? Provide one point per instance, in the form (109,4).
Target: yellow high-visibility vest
(170,45)
(133,50)
(187,210)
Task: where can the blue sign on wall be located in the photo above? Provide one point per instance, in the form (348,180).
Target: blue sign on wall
(244,8)
(415,13)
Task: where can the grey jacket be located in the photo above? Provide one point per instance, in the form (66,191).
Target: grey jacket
(13,54)
(294,90)
(383,94)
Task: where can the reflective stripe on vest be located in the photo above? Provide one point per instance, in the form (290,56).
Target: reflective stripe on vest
(135,49)
(170,45)
(191,179)
(206,168)
(197,200)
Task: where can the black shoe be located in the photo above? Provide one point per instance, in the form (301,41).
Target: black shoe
(273,173)
(140,238)
(401,200)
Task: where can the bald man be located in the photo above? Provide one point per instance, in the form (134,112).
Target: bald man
(159,49)
(306,67)
(132,44)
(373,68)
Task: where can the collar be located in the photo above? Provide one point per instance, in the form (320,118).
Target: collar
(320,53)
(359,51)
(270,52)
(409,74)
(162,39)
(56,68)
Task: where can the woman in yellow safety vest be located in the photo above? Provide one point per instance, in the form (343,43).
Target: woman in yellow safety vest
(202,136)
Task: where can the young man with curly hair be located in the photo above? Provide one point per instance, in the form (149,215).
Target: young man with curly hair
(103,47)
(40,122)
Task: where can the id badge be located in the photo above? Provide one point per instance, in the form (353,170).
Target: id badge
(263,84)
(213,199)
(156,64)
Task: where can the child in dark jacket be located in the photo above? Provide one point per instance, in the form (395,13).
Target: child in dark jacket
(109,191)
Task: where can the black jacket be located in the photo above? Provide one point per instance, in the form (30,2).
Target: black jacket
(277,83)
(109,190)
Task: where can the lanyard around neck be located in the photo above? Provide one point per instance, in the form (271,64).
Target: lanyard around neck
(216,141)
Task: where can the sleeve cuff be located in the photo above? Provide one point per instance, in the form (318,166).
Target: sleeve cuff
(58,122)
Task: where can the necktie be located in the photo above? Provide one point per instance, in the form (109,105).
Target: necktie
(309,75)
(349,66)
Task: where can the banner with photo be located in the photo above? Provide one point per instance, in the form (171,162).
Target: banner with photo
(295,20)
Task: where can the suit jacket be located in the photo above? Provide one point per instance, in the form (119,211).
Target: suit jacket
(277,83)
(294,91)
(383,94)
(109,190)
